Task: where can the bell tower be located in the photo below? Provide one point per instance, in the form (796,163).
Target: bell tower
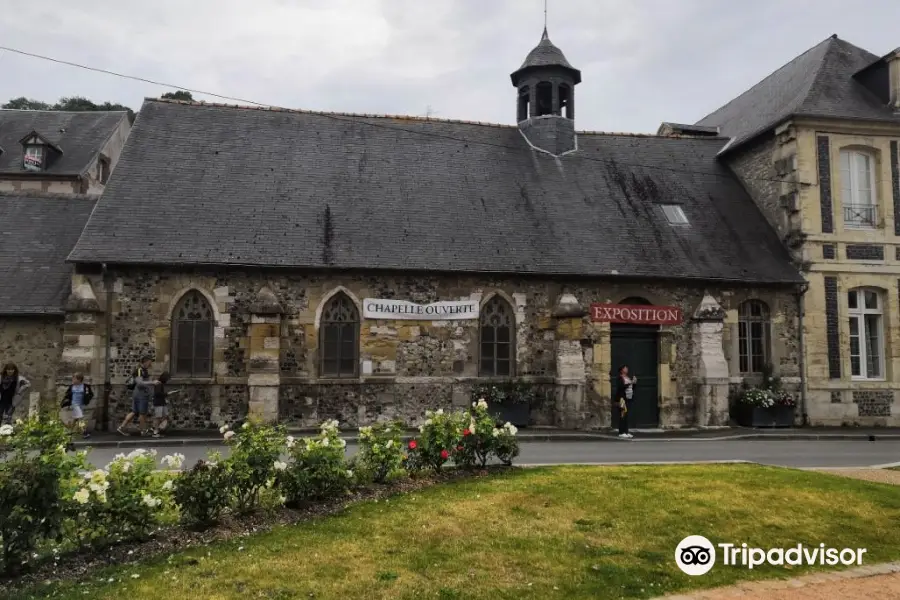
(545,109)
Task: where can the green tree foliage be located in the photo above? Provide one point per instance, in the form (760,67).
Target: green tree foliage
(179,95)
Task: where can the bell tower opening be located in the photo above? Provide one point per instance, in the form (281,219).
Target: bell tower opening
(524,103)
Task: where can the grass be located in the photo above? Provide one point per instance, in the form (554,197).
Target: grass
(570,532)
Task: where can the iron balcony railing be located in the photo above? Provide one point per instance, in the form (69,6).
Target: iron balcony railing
(860,215)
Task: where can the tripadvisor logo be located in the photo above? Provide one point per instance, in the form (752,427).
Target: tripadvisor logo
(696,555)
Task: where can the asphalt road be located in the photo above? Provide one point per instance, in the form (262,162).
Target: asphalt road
(790,453)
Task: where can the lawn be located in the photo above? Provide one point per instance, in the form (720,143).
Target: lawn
(570,532)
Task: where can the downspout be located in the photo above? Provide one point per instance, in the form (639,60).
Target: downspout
(800,350)
(107,380)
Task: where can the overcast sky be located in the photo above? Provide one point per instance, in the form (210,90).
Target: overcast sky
(642,61)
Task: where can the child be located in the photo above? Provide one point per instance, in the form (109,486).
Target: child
(160,409)
(78,395)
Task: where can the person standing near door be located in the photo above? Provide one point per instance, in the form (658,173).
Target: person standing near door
(12,389)
(624,396)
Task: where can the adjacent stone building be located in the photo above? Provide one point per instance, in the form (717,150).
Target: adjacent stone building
(816,145)
(302,266)
(53,165)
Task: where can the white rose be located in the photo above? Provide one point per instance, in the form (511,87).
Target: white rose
(350,474)
(389,444)
(291,441)
(343,443)
(245,426)
(325,441)
(279,465)
(6,430)
(150,501)
(439,411)
(82,496)
(168,485)
(229,435)
(223,429)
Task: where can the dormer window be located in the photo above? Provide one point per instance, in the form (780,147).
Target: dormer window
(39,152)
(34,157)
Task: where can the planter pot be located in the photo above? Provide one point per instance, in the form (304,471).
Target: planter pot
(517,413)
(784,416)
(756,416)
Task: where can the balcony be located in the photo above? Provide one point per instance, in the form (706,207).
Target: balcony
(860,216)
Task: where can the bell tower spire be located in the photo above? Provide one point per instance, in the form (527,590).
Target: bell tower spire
(545,108)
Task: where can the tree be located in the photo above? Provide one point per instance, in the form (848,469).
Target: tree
(23,103)
(179,95)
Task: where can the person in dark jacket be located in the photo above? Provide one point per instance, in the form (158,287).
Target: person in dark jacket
(12,388)
(142,390)
(624,396)
(78,395)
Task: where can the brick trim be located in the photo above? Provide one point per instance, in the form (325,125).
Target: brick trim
(824,151)
(895,184)
(832,325)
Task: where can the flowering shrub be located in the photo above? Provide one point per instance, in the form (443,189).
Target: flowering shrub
(124,501)
(783,398)
(202,493)
(758,397)
(34,469)
(507,392)
(438,436)
(506,445)
(477,442)
(317,469)
(380,450)
(255,449)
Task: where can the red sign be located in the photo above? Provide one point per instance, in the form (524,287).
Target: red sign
(636,314)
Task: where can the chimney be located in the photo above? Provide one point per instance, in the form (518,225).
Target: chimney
(893,61)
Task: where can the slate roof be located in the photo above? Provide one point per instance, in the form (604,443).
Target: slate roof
(818,83)
(80,136)
(37,232)
(546,54)
(220,185)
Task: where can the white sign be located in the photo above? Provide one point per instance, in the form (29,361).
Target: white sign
(452,310)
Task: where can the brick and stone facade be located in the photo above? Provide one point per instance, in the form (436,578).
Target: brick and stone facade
(266,346)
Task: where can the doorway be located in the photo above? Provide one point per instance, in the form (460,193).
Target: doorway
(638,347)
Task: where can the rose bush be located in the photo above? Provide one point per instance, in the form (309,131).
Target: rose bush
(477,442)
(380,451)
(255,448)
(506,445)
(438,436)
(317,468)
(34,472)
(202,493)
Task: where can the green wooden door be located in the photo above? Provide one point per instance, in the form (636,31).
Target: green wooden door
(638,347)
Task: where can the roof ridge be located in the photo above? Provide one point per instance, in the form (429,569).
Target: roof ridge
(649,135)
(767,77)
(325,113)
(66,112)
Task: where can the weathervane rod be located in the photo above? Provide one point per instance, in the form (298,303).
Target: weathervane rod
(545,14)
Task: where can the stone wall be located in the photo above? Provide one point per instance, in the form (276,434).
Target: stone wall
(35,345)
(405,367)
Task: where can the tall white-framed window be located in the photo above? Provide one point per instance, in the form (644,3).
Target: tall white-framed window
(858,189)
(865,310)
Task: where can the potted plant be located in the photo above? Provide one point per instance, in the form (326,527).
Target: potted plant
(755,408)
(508,401)
(784,408)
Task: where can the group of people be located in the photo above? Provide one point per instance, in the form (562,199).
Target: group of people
(145,393)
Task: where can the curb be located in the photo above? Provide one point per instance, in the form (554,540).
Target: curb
(526,437)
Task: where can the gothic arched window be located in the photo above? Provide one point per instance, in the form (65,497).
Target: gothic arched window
(497,339)
(192,336)
(339,338)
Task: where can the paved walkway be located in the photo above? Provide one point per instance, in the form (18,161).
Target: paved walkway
(212,437)
(876,582)
(876,475)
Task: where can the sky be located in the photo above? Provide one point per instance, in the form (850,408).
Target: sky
(642,61)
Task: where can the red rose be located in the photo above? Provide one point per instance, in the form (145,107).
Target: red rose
(459,448)
(412,444)
(466,432)
(445,455)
